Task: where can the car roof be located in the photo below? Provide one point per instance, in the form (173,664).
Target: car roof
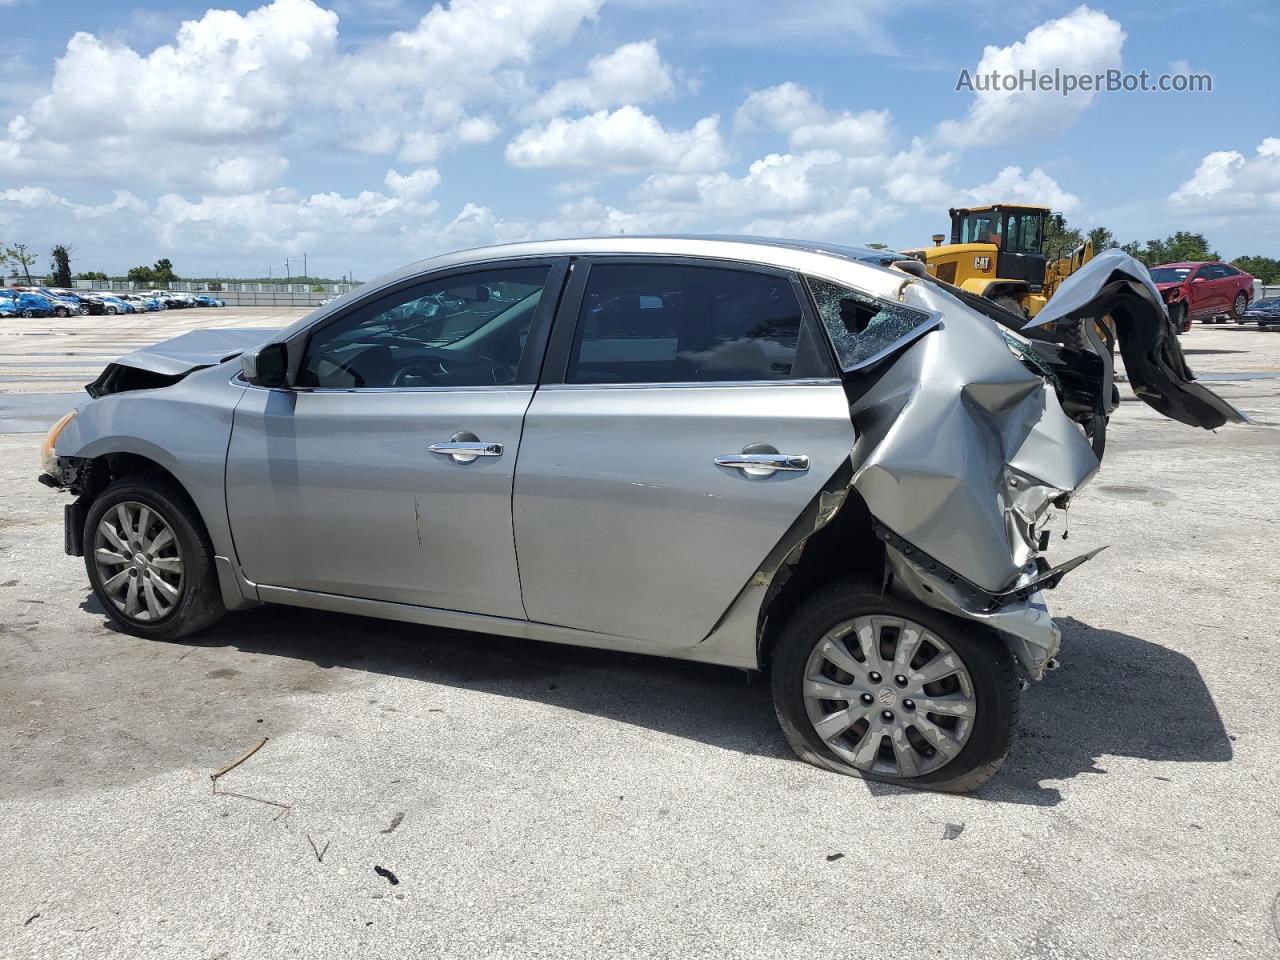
(1186,263)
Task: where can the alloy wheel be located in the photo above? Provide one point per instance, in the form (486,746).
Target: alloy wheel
(139,561)
(889,696)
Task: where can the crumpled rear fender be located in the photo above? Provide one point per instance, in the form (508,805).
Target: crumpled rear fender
(961,449)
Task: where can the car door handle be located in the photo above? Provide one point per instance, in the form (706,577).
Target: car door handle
(465,451)
(764,464)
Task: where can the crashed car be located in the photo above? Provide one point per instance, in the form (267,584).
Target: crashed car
(767,454)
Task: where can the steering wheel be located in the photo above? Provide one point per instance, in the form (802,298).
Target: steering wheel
(420,372)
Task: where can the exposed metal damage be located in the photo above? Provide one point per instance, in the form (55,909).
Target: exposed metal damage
(970,438)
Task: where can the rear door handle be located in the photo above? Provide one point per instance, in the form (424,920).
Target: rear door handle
(765,464)
(464,447)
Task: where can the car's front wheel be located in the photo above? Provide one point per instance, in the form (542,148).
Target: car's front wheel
(878,687)
(1178,317)
(149,559)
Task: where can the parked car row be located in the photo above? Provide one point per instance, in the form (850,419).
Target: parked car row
(58,302)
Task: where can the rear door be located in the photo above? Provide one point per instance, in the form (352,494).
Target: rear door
(688,412)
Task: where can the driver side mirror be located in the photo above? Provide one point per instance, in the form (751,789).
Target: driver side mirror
(267,366)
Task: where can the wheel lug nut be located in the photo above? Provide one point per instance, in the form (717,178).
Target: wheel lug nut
(887,714)
(900,680)
(875,677)
(867,698)
(909,704)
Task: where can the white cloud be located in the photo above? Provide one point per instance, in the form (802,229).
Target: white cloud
(475,130)
(1227,183)
(792,109)
(413,186)
(244,173)
(1085,41)
(626,140)
(227,76)
(1010,185)
(633,73)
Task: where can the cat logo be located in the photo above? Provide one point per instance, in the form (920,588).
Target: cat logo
(982,264)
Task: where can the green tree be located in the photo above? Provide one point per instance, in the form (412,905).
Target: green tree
(21,259)
(143,275)
(163,271)
(1266,269)
(1102,239)
(60,268)
(1059,238)
(91,275)
(1182,245)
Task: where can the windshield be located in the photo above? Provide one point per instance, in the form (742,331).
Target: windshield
(1169,274)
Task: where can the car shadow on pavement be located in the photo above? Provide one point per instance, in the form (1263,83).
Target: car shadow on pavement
(1114,695)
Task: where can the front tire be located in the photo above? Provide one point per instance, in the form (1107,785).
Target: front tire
(1178,317)
(150,561)
(881,688)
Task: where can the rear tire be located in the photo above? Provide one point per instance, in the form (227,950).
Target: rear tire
(154,585)
(902,742)
(1239,305)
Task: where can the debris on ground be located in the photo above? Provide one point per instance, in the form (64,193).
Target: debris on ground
(831,857)
(384,872)
(316,850)
(952,830)
(30,918)
(244,796)
(235,763)
(395,822)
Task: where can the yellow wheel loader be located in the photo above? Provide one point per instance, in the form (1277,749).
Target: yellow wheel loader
(998,252)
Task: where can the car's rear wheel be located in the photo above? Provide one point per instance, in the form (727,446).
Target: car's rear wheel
(111,311)
(1239,305)
(877,687)
(28,312)
(149,559)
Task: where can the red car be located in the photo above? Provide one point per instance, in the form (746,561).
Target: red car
(1209,292)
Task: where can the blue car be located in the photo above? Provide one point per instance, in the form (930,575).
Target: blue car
(62,304)
(204,300)
(27,304)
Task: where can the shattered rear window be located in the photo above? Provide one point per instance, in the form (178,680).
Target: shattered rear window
(862,328)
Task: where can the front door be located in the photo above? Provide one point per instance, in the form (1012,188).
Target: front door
(696,413)
(386,472)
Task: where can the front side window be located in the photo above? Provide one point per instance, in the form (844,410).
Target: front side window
(980,228)
(660,323)
(1023,234)
(459,331)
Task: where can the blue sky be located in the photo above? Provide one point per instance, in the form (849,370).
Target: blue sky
(369,133)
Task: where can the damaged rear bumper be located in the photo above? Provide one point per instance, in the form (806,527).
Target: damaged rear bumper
(1021,615)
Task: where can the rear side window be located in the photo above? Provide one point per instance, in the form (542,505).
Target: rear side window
(862,328)
(661,323)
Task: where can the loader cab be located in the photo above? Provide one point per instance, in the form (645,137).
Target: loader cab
(1016,231)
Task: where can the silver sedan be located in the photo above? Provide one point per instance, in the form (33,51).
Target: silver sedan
(809,459)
